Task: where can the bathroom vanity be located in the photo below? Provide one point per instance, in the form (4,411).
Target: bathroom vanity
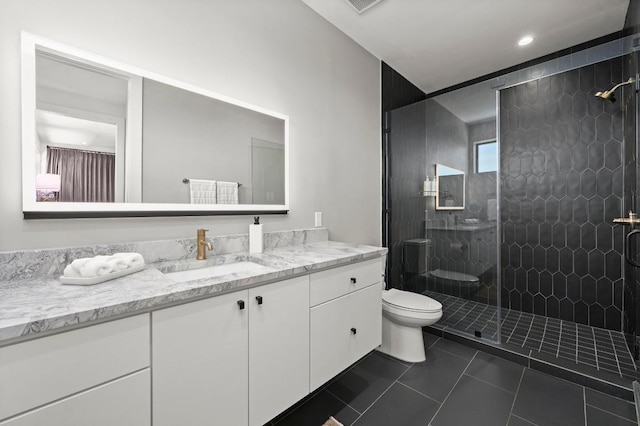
(237,348)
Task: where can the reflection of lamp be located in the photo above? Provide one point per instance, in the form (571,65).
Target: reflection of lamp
(47,187)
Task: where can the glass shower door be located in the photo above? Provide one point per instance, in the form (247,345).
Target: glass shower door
(449,255)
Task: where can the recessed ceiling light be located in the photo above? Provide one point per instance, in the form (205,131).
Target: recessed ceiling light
(525,40)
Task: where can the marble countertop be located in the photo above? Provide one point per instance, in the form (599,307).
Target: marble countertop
(32,306)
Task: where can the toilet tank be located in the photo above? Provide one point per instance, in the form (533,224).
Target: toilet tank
(415,255)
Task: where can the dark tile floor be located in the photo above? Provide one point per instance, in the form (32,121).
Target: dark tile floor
(600,349)
(455,386)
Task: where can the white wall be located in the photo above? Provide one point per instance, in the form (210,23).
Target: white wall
(277,54)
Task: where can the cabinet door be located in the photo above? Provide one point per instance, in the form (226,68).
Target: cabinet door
(278,347)
(123,402)
(199,362)
(366,306)
(344,330)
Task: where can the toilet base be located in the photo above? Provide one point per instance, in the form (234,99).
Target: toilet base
(402,342)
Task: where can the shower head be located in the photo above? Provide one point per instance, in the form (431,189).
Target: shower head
(608,94)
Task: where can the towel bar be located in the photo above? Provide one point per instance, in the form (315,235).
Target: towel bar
(186,180)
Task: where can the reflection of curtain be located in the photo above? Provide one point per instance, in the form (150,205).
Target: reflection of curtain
(86,175)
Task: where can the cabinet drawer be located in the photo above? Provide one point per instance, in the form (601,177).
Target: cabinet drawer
(40,371)
(327,285)
(344,330)
(124,402)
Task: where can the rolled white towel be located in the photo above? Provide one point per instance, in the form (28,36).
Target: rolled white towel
(117,263)
(70,271)
(103,257)
(79,263)
(95,268)
(132,259)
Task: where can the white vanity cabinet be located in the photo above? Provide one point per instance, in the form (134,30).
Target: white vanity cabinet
(97,375)
(200,359)
(278,348)
(346,317)
(235,359)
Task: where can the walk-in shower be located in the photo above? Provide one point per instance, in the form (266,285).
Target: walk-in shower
(529,259)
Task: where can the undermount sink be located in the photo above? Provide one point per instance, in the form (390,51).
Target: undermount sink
(216,271)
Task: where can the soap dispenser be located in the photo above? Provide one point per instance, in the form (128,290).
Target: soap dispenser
(255,236)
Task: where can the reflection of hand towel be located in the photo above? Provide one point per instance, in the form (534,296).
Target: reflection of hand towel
(95,268)
(202,191)
(227,192)
(132,259)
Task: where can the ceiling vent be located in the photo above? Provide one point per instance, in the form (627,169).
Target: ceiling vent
(363,5)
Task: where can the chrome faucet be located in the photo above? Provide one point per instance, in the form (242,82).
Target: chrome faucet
(202,244)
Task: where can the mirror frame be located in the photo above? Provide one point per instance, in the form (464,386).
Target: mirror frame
(47,210)
(464,184)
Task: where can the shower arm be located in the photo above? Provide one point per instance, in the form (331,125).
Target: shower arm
(630,81)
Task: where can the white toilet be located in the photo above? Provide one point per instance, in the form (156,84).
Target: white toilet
(403,315)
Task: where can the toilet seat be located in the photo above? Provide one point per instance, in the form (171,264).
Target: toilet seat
(406,301)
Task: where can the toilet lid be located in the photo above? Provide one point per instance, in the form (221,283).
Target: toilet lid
(410,301)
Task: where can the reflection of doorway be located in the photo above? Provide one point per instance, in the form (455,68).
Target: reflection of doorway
(82,146)
(267,172)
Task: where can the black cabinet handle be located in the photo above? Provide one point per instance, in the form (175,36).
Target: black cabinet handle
(353,280)
(259,299)
(241,304)
(353,330)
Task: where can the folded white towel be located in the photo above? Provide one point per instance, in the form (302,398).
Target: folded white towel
(132,259)
(95,268)
(202,191)
(227,192)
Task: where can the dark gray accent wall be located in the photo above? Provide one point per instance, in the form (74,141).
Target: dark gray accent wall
(482,131)
(561,183)
(397,91)
(630,314)
(447,138)
(632,21)
(406,160)
(481,187)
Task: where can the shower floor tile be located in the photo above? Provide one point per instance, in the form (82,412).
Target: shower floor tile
(603,350)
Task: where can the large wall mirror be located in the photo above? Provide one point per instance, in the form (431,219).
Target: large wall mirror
(450,188)
(102,138)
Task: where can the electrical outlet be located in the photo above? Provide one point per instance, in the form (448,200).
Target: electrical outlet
(318,220)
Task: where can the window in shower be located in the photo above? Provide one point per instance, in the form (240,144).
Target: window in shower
(486,156)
